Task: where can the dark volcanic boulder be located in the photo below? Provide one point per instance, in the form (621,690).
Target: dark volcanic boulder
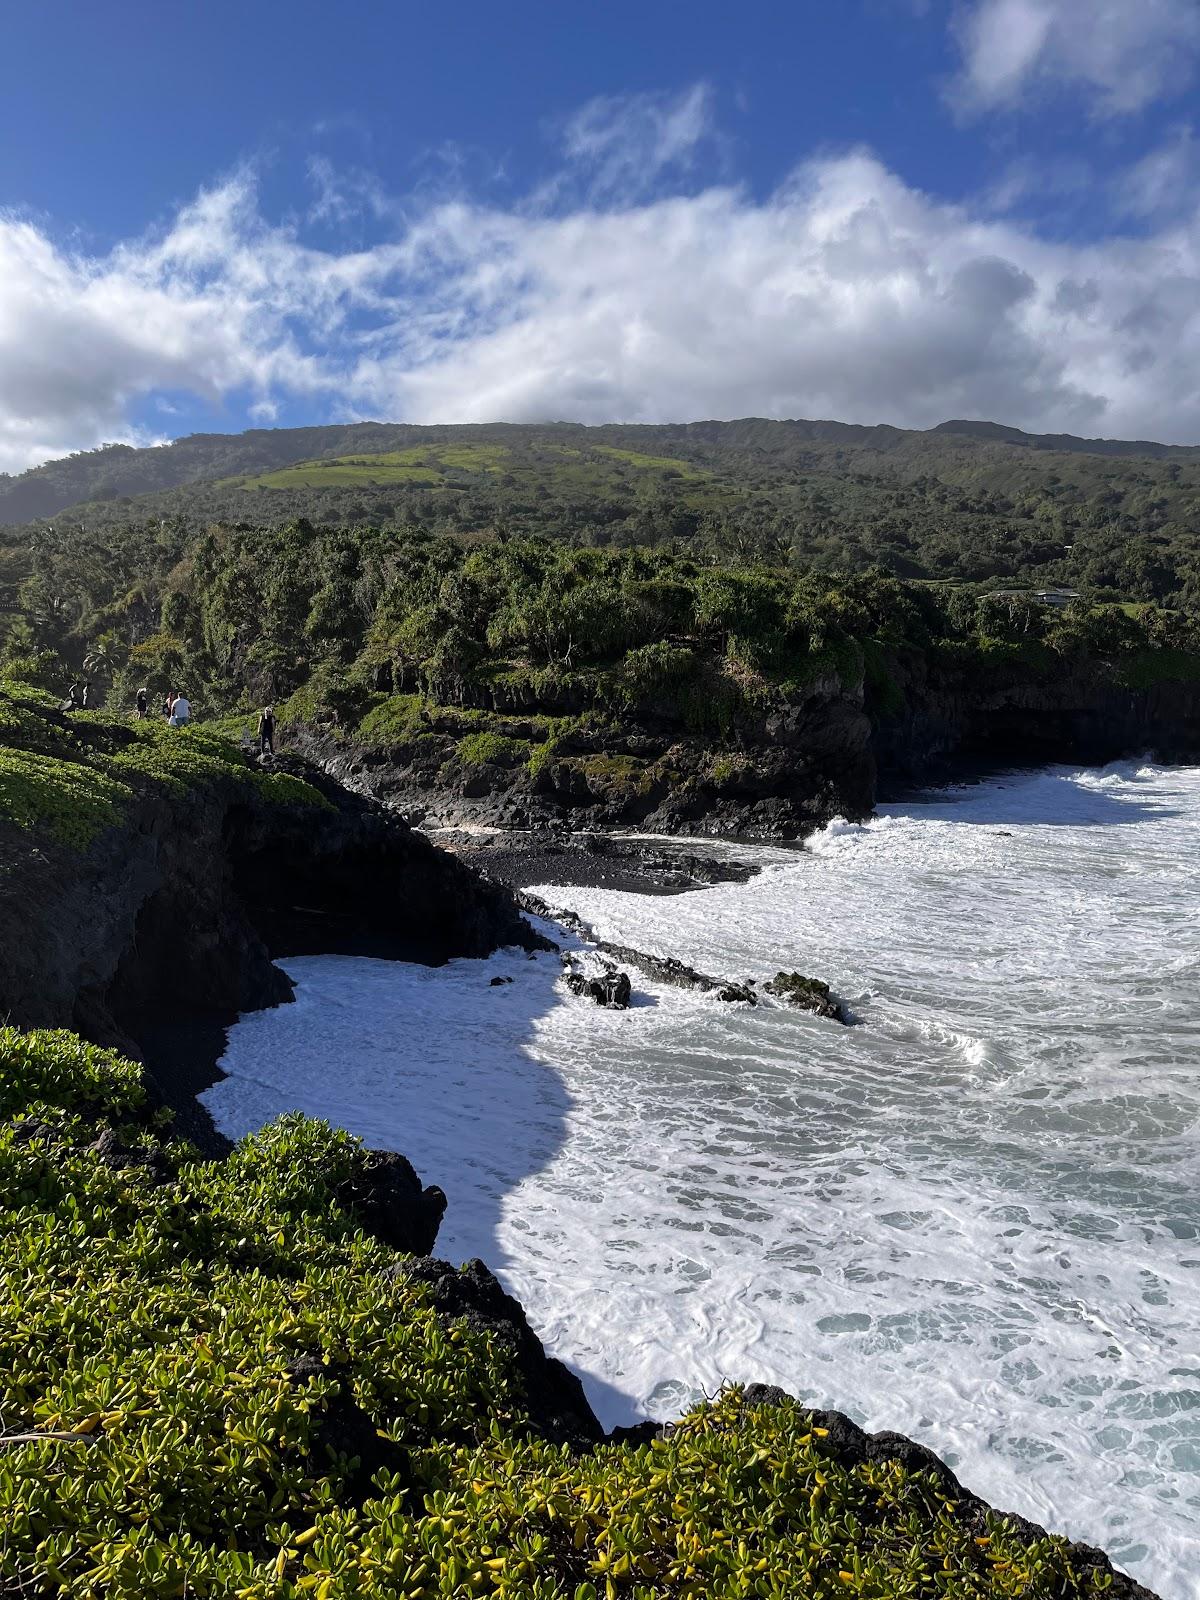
(612,990)
(806,994)
(617,991)
(388,1199)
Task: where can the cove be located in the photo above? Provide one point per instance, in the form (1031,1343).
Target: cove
(972,1218)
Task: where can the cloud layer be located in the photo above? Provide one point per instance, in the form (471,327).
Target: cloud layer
(1123,53)
(845,294)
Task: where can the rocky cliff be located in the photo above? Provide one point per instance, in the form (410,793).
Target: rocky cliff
(149,882)
(185,904)
(938,714)
(780,770)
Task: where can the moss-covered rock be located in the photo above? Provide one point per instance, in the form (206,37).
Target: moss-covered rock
(806,994)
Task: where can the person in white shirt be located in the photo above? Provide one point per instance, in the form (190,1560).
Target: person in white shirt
(180,712)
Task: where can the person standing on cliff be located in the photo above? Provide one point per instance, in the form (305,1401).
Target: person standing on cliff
(266,731)
(143,704)
(181,711)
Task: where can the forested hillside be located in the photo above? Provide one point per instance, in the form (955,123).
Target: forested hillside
(964,503)
(489,608)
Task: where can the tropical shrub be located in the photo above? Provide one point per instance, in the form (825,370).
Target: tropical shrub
(214,1383)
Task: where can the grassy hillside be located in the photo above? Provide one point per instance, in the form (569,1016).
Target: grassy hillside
(581,469)
(121,471)
(65,778)
(213,1382)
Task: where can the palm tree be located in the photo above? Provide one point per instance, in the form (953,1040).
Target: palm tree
(105,658)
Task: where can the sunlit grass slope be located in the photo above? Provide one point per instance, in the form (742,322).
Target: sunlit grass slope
(433,465)
(70,776)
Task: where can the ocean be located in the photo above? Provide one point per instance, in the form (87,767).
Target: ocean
(972,1217)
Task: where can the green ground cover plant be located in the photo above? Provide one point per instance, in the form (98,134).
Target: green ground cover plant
(72,775)
(214,1383)
(479,749)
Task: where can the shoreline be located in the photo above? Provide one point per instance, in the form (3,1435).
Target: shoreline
(591,859)
(840,1394)
(182,1053)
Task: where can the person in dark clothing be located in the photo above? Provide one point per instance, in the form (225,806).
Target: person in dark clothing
(266,731)
(143,704)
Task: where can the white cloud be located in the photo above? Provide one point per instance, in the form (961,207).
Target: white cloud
(628,142)
(1163,183)
(847,294)
(343,194)
(1123,53)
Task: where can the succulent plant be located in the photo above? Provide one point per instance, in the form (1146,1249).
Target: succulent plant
(184,1345)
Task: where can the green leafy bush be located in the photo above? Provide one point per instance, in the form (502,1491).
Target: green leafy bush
(223,1388)
(74,776)
(285,789)
(69,799)
(57,1068)
(392,721)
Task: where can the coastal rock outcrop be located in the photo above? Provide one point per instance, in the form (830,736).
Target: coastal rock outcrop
(936,715)
(178,911)
(779,771)
(553,1394)
(388,1198)
(806,994)
(667,969)
(611,989)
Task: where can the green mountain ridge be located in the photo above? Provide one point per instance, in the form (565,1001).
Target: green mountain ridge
(966,502)
(118,471)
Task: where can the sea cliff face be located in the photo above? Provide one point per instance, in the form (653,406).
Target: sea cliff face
(179,907)
(780,772)
(941,715)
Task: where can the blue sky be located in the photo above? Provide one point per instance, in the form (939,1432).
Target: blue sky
(883,210)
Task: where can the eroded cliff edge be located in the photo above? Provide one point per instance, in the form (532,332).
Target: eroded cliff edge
(151,923)
(506,758)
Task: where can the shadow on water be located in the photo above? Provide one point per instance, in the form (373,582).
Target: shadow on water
(433,1062)
(1021,798)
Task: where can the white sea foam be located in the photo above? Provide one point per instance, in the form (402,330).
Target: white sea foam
(974,1218)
